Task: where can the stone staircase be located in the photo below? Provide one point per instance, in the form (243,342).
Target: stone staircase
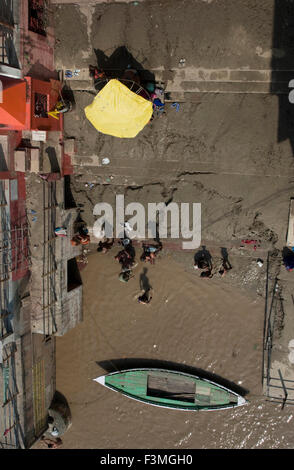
(188,81)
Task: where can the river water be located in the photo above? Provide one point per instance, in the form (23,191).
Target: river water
(205,324)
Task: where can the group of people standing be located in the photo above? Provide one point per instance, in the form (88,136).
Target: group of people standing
(203,262)
(126,258)
(127,261)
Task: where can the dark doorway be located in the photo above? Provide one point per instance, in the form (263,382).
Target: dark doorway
(73,275)
(36,16)
(69,202)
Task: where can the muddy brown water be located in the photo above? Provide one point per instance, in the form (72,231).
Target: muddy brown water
(206,324)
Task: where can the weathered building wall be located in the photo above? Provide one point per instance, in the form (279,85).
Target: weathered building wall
(67,310)
(28,373)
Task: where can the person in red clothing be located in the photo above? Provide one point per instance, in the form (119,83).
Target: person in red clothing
(80,240)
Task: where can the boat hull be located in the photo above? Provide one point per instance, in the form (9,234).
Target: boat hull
(171,389)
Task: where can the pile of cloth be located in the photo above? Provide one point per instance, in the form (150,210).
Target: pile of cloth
(157,96)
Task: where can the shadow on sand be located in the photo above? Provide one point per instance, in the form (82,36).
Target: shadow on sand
(144,281)
(120,60)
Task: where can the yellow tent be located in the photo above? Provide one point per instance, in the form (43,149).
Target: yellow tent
(118,111)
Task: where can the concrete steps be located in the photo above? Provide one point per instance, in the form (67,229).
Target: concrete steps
(190,79)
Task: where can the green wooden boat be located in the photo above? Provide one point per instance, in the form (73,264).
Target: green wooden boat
(171,389)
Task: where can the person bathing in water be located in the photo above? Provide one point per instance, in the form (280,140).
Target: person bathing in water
(226,265)
(105,245)
(125,258)
(206,274)
(125,276)
(150,252)
(146,297)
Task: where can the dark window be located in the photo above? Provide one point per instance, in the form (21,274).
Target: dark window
(40,106)
(37,16)
(69,202)
(73,275)
(8,54)
(6,12)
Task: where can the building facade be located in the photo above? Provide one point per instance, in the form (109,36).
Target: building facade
(40,288)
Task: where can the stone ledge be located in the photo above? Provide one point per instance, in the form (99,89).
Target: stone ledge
(88,2)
